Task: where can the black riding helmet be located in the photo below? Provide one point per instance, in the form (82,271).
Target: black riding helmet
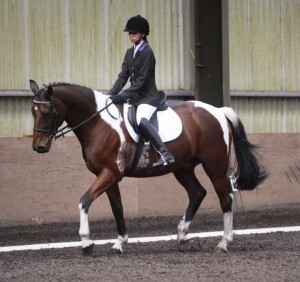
(137,24)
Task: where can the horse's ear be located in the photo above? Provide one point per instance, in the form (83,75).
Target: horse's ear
(34,87)
(49,92)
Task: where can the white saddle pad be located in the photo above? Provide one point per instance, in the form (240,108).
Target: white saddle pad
(169,124)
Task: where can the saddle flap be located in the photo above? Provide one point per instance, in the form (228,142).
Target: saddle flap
(132,119)
(167,122)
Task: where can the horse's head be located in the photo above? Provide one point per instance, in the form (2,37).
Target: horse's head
(48,116)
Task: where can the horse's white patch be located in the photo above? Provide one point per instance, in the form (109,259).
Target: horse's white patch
(113,110)
(112,117)
(84,230)
(228,231)
(182,229)
(120,242)
(220,116)
(228,225)
(231,115)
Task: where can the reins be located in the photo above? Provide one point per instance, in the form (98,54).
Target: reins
(59,133)
(63,133)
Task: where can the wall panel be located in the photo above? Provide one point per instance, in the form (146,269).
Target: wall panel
(268,115)
(264,45)
(44,188)
(264,40)
(47,40)
(83,41)
(12,47)
(239,44)
(290,15)
(15,116)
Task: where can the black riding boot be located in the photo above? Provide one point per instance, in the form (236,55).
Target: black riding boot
(149,132)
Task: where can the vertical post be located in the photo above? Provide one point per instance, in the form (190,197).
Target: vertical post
(212,52)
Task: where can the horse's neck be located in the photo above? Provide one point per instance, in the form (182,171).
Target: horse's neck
(80,107)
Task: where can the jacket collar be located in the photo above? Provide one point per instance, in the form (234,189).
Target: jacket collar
(141,47)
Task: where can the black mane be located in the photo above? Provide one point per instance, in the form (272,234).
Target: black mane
(69,85)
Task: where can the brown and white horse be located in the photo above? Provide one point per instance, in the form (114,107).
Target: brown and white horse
(108,150)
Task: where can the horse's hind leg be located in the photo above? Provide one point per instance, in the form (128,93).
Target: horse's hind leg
(218,176)
(226,205)
(115,200)
(196,193)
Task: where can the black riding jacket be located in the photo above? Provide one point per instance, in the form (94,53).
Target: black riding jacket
(141,72)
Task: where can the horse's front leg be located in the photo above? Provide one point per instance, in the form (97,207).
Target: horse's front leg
(115,200)
(101,184)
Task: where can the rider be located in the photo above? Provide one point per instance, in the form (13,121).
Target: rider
(139,66)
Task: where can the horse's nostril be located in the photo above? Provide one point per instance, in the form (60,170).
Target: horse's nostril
(41,149)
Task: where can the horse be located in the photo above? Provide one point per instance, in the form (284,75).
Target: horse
(205,137)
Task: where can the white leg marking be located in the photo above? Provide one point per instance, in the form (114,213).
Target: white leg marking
(220,116)
(182,230)
(118,246)
(228,231)
(84,230)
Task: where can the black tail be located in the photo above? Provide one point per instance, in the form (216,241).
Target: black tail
(249,172)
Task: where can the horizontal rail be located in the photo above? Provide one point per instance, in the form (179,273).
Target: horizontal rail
(182,93)
(266,94)
(28,93)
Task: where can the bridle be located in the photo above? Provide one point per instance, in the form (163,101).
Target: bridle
(55,133)
(54,116)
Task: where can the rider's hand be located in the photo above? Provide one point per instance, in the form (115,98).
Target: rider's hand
(116,99)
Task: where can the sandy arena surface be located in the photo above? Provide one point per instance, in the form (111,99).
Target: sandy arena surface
(264,257)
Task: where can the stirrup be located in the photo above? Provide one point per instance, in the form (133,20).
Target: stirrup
(163,162)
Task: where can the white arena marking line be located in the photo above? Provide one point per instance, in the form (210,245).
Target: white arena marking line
(149,239)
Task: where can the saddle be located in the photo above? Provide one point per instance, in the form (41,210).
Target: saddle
(131,115)
(165,120)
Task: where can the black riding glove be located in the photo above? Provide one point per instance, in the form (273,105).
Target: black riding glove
(117,99)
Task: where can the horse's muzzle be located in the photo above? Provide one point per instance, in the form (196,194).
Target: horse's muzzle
(41,146)
(42,149)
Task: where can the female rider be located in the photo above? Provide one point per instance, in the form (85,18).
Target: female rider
(139,67)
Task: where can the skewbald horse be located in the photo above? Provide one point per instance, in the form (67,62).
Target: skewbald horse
(108,150)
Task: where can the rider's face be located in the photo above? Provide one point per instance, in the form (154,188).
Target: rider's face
(135,37)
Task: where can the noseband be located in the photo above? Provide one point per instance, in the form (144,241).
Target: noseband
(54,115)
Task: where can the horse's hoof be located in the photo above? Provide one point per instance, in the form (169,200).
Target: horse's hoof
(184,245)
(219,250)
(88,251)
(116,251)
